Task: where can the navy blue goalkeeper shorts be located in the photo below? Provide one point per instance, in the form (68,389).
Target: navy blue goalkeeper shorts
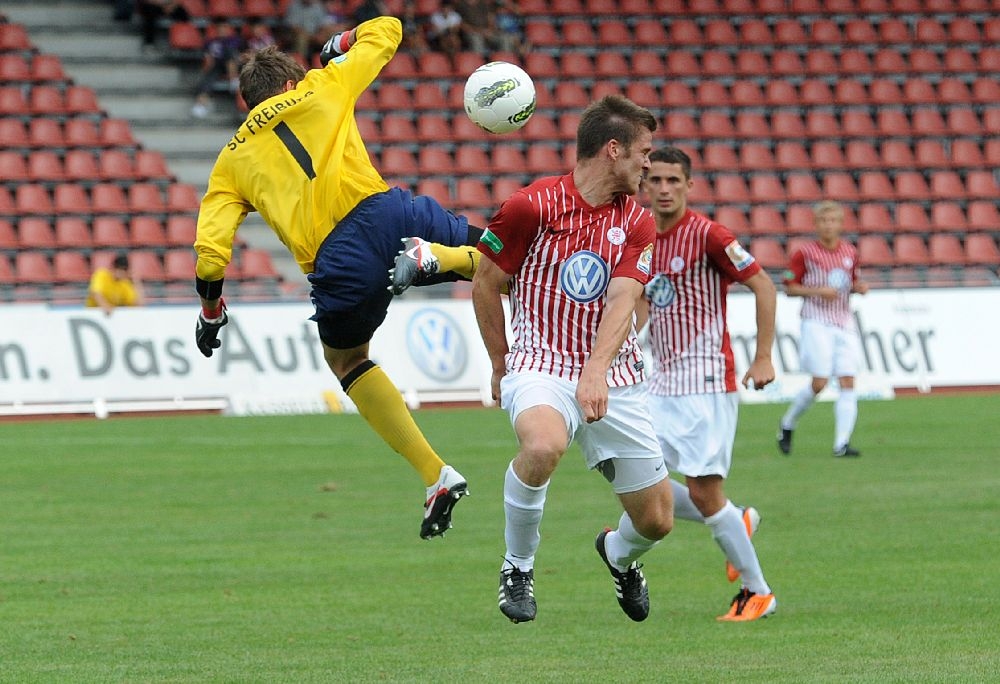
(350,279)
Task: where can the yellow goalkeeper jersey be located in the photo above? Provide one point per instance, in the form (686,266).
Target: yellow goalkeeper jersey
(298,158)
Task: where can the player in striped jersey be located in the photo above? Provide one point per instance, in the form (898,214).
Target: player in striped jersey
(575,252)
(298,159)
(825,273)
(693,394)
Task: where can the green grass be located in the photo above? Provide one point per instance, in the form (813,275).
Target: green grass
(210,549)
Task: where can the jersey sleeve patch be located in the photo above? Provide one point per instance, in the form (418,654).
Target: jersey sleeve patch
(645,262)
(739,256)
(491,240)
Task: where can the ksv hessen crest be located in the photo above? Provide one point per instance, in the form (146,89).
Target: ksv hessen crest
(660,291)
(584,277)
(436,344)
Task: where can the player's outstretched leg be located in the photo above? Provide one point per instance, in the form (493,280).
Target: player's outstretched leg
(414,260)
(784,440)
(517,593)
(441,499)
(751,518)
(630,586)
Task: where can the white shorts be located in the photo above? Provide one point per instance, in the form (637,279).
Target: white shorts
(622,444)
(827,351)
(696,431)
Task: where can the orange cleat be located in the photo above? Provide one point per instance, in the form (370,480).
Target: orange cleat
(747,606)
(751,518)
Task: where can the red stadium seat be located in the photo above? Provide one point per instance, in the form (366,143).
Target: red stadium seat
(710,93)
(541,65)
(757,155)
(715,124)
(876,185)
(789,32)
(857,123)
(755,32)
(182,197)
(981,248)
(254,263)
(911,185)
(766,220)
(398,128)
(947,184)
(14,167)
(110,231)
(14,68)
(571,94)
(815,92)
(927,122)
(7,275)
(734,219)
(109,198)
(944,248)
(854,62)
(116,133)
(981,184)
(13,102)
(503,188)
(962,121)
(81,100)
(948,216)
(786,124)
(544,160)
(472,192)
(717,64)
(72,232)
(45,165)
(678,94)
(146,264)
(682,64)
(860,31)
(874,250)
(781,93)
(985,91)
(81,165)
(576,65)
(644,93)
(33,267)
(802,187)
(983,215)
(825,32)
(70,267)
(875,218)
(719,157)
(81,132)
(32,198)
(840,186)
(13,133)
(768,252)
(820,62)
(787,63)
(910,250)
(613,32)
(8,238)
(684,32)
(185,36)
(179,264)
(792,155)
(732,187)
(433,127)
(924,61)
(822,124)
(47,68)
(849,92)
(180,231)
(752,63)
(150,165)
(765,187)
(746,93)
(911,217)
(646,63)
(610,65)
(35,233)
(680,125)
(146,231)
(47,100)
(885,91)
(896,154)
(508,160)
(14,38)
(892,122)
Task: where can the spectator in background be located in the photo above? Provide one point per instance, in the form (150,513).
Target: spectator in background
(414,32)
(825,273)
(445,32)
(259,37)
(510,27)
(152,11)
(220,63)
(303,21)
(478,24)
(114,287)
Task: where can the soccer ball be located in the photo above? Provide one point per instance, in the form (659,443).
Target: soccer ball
(499,97)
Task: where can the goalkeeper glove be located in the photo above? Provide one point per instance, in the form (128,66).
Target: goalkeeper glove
(206,331)
(337,45)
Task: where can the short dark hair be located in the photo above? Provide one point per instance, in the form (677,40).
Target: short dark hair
(672,155)
(613,117)
(120,261)
(265,73)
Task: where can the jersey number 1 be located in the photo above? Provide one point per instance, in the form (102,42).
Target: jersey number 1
(294,145)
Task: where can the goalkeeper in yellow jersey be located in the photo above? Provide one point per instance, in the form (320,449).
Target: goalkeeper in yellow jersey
(299,160)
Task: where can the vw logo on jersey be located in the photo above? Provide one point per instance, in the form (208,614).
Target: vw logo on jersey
(436,344)
(838,279)
(660,291)
(584,277)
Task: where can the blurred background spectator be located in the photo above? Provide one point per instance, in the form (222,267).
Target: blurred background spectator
(152,11)
(445,31)
(115,286)
(219,67)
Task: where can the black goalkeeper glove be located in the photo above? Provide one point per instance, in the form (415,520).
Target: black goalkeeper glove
(337,45)
(206,332)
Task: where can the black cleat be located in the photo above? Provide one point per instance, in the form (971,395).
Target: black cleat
(630,586)
(846,451)
(441,498)
(517,594)
(784,440)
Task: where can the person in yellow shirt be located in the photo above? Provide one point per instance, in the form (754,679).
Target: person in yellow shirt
(113,287)
(299,160)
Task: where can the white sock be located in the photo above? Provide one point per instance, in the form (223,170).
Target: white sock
(624,545)
(731,535)
(684,507)
(802,401)
(845,415)
(522,506)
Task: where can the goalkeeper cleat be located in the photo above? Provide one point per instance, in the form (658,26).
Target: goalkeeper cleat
(630,586)
(441,498)
(784,440)
(846,451)
(751,518)
(517,594)
(413,261)
(748,606)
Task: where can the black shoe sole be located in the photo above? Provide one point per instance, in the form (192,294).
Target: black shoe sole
(439,520)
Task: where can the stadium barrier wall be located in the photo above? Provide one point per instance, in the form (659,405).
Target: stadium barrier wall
(77,360)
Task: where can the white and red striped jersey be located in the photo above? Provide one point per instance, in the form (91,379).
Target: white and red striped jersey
(562,254)
(694,263)
(813,265)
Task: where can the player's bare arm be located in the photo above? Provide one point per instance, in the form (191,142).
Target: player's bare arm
(615,325)
(860,287)
(799,290)
(486,286)
(761,370)
(641,312)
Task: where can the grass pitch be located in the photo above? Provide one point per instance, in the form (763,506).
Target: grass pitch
(211,549)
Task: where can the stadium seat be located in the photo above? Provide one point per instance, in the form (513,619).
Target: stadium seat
(179,265)
(682,64)
(930,31)
(570,94)
(896,154)
(47,100)
(436,188)
(954,91)
(81,165)
(766,220)
(81,100)
(8,238)
(7,275)
(715,124)
(146,265)
(35,233)
(541,127)
(732,187)
(876,185)
(874,250)
(815,92)
(434,65)
(33,267)
(403,65)
(733,218)
(72,232)
(959,60)
(849,92)
(948,216)
(967,153)
(507,159)
(889,61)
(802,187)
(711,93)
(981,249)
(717,63)
(182,197)
(747,93)
(684,32)
(32,198)
(860,32)
(393,96)
(912,218)
(503,188)
(13,133)
(840,186)
(764,187)
(820,123)
(677,94)
(947,184)
(432,128)
(180,231)
(751,125)
(13,101)
(981,184)
(109,198)
(14,167)
(985,91)
(7,207)
(825,32)
(146,231)
(398,128)
(789,32)
(820,62)
(861,154)
(613,32)
(857,123)
(81,132)
(886,91)
(544,160)
(644,93)
(14,37)
(787,62)
(610,65)
(541,65)
(910,250)
(911,185)
(781,93)
(679,125)
(110,231)
(792,155)
(576,65)
(14,68)
(150,165)
(945,248)
(70,266)
(892,122)
(768,252)
(962,121)
(47,68)
(757,155)
(185,36)
(472,192)
(254,264)
(755,33)
(116,133)
(750,63)
(927,122)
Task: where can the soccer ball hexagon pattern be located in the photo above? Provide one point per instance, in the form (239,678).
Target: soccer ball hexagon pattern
(499,97)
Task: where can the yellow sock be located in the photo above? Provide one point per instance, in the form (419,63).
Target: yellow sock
(380,403)
(461,260)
